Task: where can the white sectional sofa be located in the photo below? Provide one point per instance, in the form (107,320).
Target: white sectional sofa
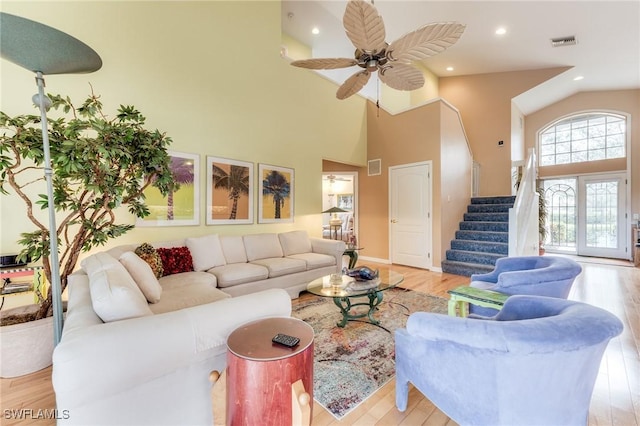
(137,350)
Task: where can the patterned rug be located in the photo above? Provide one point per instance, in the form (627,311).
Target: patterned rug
(351,363)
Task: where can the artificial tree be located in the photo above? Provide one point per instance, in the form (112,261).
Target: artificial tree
(99,165)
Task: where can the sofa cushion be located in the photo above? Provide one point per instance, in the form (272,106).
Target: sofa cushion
(142,274)
(175,260)
(188,279)
(315,260)
(206,252)
(262,246)
(238,273)
(233,249)
(180,298)
(114,294)
(279,266)
(295,242)
(149,254)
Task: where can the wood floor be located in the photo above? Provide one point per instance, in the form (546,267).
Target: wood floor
(616,397)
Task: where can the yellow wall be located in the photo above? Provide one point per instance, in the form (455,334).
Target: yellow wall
(484,101)
(625,101)
(211,76)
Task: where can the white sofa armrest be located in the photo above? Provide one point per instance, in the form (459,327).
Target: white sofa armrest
(333,248)
(100,361)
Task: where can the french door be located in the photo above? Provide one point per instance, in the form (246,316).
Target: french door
(586,215)
(602,201)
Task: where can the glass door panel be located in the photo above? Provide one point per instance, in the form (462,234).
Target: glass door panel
(601,225)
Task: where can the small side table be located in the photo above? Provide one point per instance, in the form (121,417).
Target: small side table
(463,295)
(262,376)
(353,256)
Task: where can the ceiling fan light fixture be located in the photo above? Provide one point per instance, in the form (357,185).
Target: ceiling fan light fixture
(395,61)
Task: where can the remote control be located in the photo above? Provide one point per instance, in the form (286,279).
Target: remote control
(285,340)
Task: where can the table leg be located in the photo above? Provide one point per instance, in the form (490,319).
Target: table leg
(452,306)
(353,258)
(345,305)
(344,309)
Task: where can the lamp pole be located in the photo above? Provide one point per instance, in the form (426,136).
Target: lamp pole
(56,287)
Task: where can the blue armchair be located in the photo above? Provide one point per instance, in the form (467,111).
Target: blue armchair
(534,363)
(550,276)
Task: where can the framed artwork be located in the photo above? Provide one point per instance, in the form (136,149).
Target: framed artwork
(181,207)
(276,194)
(229,191)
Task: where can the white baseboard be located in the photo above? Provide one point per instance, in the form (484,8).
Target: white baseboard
(374,259)
(388,262)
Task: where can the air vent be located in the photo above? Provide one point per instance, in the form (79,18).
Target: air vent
(564,41)
(374,167)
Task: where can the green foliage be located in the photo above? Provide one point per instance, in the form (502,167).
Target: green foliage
(99,164)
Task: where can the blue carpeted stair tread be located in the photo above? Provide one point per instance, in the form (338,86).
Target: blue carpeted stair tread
(508,199)
(463,268)
(476,225)
(480,246)
(483,237)
(486,217)
(468,235)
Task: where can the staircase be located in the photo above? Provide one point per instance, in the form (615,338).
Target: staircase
(483,237)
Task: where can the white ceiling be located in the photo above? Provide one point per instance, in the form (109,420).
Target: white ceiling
(607,54)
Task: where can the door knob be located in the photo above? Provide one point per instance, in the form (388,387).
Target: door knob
(393,221)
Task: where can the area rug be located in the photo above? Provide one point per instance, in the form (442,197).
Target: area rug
(351,363)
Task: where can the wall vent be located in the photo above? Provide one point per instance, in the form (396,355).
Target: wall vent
(564,41)
(374,167)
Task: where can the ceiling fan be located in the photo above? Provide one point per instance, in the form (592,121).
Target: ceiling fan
(334,178)
(365,28)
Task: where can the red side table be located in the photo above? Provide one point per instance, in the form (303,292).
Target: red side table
(261,374)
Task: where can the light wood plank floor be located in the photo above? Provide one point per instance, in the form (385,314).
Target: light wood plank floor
(616,397)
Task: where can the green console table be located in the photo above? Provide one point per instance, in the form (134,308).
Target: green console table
(463,295)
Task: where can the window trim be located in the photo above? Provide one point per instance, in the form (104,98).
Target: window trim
(557,120)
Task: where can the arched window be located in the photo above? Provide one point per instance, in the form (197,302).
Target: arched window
(583,137)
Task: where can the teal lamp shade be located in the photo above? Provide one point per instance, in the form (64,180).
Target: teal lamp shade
(40,48)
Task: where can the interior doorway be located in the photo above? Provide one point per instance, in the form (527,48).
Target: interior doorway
(410,214)
(340,189)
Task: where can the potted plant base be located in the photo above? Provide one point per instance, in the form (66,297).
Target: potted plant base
(26,347)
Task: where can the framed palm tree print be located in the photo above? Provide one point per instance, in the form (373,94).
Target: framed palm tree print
(182,206)
(276,194)
(229,191)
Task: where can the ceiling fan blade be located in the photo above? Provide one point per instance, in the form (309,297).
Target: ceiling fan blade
(401,76)
(426,41)
(324,63)
(364,26)
(353,84)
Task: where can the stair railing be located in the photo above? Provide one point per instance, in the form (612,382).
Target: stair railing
(523,216)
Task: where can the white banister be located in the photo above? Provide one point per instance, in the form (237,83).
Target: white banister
(523,216)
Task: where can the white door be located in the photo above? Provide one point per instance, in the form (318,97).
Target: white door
(602,226)
(410,214)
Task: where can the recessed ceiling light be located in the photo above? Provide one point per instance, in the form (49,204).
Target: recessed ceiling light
(578,78)
(501,31)
(449,68)
(315,31)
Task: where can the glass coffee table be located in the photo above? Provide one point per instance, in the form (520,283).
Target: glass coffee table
(342,292)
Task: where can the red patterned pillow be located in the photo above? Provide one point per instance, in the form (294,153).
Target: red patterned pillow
(176,260)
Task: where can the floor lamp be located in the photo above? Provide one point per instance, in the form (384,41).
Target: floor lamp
(44,51)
